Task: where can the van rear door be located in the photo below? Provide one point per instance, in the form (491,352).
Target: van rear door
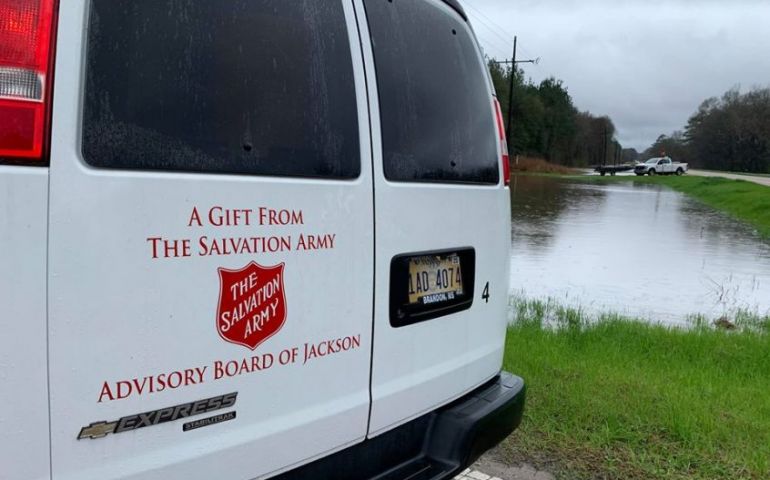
(211,202)
(442,209)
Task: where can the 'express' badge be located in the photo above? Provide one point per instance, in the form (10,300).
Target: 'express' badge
(157,417)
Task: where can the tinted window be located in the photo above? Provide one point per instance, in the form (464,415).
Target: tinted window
(232,86)
(436,112)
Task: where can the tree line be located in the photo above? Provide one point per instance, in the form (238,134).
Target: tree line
(731,132)
(546,123)
(728,133)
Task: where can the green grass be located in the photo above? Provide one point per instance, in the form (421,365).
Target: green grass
(620,399)
(745,201)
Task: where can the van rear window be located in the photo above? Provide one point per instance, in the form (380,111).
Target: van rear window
(435,107)
(260,87)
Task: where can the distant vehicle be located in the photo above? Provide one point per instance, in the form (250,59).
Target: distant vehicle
(612,169)
(660,166)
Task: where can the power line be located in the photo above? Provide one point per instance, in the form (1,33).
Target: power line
(505,38)
(491,50)
(496,43)
(508,37)
(498,30)
(491,54)
(490,40)
(526,53)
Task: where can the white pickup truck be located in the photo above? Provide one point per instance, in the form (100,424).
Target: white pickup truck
(248,239)
(660,166)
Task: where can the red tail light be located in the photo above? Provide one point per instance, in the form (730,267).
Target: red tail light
(26,67)
(503,144)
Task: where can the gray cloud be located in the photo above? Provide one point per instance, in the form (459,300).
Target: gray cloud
(647,64)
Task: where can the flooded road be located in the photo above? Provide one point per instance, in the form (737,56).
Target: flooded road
(639,250)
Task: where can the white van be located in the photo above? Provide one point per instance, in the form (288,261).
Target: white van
(249,239)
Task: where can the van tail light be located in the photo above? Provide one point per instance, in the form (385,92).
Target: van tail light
(26,70)
(503,145)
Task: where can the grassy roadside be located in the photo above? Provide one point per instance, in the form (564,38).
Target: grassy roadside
(742,200)
(620,399)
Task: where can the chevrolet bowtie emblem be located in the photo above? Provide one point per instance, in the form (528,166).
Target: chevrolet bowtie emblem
(161,416)
(97,430)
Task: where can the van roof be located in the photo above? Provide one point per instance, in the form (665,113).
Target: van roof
(456,5)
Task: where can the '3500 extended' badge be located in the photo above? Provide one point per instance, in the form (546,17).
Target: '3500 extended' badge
(252,304)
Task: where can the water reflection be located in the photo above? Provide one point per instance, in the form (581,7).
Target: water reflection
(640,250)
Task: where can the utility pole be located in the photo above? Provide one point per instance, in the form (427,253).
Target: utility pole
(509,130)
(604,146)
(512,63)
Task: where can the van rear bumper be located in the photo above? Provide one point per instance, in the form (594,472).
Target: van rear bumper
(436,446)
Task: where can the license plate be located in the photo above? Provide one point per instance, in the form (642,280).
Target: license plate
(434,279)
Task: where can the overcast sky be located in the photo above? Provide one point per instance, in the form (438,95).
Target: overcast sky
(648,64)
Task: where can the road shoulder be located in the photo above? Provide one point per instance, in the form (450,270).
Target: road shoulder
(759,180)
(489,468)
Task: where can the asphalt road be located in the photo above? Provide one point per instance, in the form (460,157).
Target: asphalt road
(488,468)
(734,176)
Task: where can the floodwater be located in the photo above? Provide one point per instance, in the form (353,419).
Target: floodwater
(639,250)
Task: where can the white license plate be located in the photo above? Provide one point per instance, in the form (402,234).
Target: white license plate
(434,279)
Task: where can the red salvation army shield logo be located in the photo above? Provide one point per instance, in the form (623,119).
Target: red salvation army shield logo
(252,304)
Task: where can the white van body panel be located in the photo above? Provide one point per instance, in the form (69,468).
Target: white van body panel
(23,352)
(116,313)
(417,368)
(114,307)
